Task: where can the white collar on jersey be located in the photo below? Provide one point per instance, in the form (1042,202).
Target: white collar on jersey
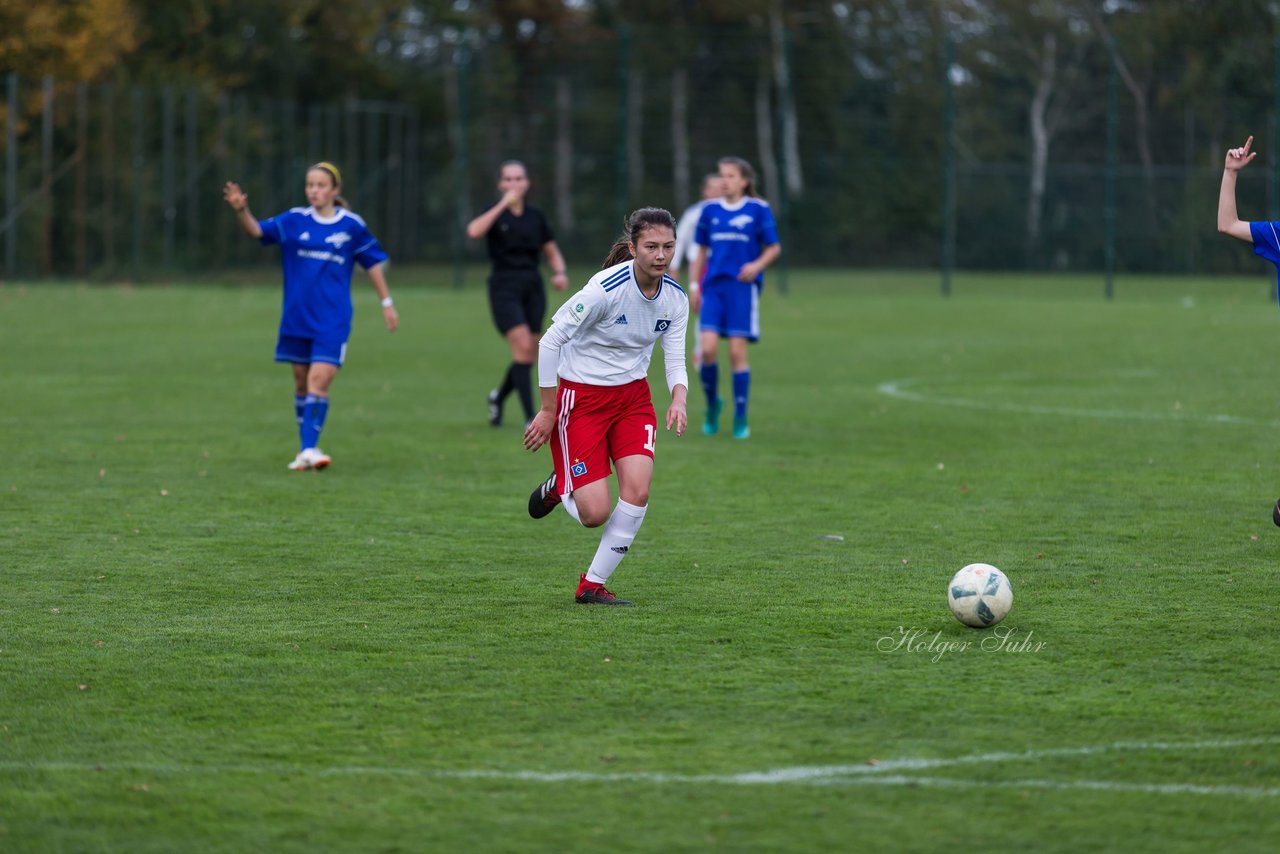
(338,213)
(742,201)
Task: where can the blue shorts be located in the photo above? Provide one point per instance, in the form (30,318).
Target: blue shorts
(304,351)
(731,309)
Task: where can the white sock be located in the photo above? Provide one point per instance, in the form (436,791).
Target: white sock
(570,507)
(616,540)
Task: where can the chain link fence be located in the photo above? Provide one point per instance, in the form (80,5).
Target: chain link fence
(893,161)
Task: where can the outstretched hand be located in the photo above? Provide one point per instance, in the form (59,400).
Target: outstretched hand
(1238,158)
(234,196)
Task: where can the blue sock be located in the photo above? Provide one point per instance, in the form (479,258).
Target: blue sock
(314,411)
(710,382)
(299,407)
(741,390)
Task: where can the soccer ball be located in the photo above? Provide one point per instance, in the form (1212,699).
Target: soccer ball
(979,595)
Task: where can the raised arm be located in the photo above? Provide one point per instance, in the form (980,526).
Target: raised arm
(239,202)
(480,226)
(1229,221)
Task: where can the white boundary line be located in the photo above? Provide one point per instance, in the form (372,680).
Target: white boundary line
(899,389)
(826,775)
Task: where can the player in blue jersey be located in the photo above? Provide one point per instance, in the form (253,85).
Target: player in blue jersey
(517,234)
(319,246)
(686,249)
(737,239)
(1265,236)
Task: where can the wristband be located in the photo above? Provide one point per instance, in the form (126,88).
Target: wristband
(386,302)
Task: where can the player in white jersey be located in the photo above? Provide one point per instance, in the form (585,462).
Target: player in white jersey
(593,365)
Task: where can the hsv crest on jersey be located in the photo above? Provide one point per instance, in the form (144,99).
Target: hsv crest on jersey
(338,238)
(661,325)
(579,469)
(741,220)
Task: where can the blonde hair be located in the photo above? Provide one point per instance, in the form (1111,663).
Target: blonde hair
(332,171)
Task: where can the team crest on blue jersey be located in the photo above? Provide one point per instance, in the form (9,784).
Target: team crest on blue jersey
(661,325)
(621,321)
(579,468)
(741,220)
(338,239)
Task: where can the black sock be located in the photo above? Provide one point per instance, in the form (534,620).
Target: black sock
(508,384)
(520,378)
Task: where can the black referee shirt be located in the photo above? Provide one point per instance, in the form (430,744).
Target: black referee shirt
(515,241)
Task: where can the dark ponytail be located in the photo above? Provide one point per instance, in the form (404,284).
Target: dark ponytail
(631,228)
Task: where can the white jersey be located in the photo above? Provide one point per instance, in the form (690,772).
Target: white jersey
(604,334)
(686,246)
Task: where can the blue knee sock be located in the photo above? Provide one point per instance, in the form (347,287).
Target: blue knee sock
(710,382)
(741,390)
(313,414)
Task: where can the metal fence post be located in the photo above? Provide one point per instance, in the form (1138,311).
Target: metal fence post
(948,165)
(46,176)
(168,203)
(1109,215)
(138,188)
(11,178)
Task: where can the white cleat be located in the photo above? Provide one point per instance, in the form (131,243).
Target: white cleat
(315,458)
(299,463)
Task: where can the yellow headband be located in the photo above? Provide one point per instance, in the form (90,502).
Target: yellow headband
(331,169)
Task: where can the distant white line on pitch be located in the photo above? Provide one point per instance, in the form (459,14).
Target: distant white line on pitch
(822,775)
(900,389)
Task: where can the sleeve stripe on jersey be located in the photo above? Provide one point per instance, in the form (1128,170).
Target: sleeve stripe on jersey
(366,246)
(672,282)
(1274,236)
(616,279)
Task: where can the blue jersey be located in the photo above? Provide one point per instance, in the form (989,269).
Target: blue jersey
(735,235)
(1266,242)
(318,256)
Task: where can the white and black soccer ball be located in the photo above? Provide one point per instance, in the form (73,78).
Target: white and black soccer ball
(980,595)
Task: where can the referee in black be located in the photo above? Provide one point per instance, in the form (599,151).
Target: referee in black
(516,233)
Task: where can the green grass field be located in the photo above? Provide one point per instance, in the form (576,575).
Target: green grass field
(200,650)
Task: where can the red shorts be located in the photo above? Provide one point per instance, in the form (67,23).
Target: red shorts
(596,424)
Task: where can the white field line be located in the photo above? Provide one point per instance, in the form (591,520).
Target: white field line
(860,774)
(900,389)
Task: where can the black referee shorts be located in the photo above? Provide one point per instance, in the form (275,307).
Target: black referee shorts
(516,300)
